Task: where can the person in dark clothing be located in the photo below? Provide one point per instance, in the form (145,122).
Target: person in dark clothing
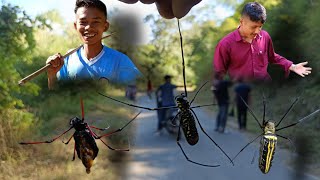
(149,89)
(165,97)
(222,96)
(242,90)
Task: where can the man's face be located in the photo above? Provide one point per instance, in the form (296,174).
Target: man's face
(90,23)
(249,29)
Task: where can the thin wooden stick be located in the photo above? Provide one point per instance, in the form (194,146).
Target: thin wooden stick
(44,68)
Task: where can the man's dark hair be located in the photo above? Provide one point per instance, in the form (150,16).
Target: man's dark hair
(255,11)
(91,4)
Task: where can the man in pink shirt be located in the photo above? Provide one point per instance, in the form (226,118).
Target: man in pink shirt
(246,52)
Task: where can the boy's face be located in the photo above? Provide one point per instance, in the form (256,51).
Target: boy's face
(250,29)
(90,23)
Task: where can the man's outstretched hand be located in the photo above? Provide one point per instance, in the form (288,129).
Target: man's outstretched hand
(169,8)
(300,69)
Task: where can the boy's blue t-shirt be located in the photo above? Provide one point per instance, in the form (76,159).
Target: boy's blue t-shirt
(109,63)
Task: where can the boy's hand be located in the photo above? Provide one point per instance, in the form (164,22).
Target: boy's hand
(56,62)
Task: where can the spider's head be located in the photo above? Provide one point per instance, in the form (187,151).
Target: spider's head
(182,101)
(75,121)
(269,128)
(181,98)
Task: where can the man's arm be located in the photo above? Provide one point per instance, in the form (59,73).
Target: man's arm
(275,58)
(220,61)
(286,64)
(127,71)
(157,93)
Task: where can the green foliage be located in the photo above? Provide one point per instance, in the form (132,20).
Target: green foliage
(163,55)
(200,47)
(288,20)
(16,43)
(308,39)
(16,46)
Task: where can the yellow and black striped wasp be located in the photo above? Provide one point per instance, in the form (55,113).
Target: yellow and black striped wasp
(268,141)
(187,116)
(84,137)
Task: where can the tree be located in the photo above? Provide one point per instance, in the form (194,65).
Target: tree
(16,46)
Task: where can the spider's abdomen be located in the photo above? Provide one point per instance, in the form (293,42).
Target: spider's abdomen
(267,149)
(189,127)
(86,148)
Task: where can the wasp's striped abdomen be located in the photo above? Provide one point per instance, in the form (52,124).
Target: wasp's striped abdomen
(189,127)
(268,145)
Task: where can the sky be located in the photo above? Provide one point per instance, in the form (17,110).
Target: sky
(65,7)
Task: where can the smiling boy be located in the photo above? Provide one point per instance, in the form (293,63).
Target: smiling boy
(246,52)
(94,60)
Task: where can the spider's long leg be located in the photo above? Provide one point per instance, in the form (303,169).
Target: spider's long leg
(82,109)
(299,121)
(264,110)
(132,105)
(69,139)
(120,129)
(210,137)
(193,107)
(172,120)
(254,157)
(49,141)
(74,152)
(183,66)
(109,134)
(287,111)
(294,147)
(245,147)
(111,148)
(114,149)
(100,129)
(185,155)
(198,92)
(251,112)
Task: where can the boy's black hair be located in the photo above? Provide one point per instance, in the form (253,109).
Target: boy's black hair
(255,11)
(167,77)
(92,4)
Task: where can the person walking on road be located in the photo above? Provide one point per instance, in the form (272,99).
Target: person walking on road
(165,97)
(221,93)
(242,90)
